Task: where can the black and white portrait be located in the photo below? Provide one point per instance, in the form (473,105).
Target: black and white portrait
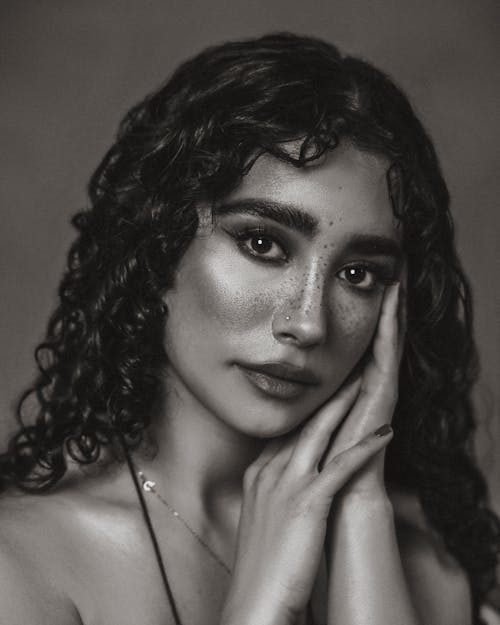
(250,339)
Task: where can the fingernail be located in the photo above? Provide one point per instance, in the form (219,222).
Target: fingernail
(383,430)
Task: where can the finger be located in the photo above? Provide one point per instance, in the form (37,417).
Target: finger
(341,468)
(385,344)
(379,388)
(316,433)
(380,377)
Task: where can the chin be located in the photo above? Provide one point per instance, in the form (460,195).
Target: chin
(243,408)
(266,419)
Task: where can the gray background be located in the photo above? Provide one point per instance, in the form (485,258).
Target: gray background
(72,68)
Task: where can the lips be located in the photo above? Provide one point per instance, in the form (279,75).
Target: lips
(285,371)
(279,380)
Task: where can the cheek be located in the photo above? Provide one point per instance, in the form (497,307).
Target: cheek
(213,291)
(354,326)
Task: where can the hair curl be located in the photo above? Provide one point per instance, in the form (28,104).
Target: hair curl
(192,141)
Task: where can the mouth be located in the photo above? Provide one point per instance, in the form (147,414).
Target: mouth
(279,380)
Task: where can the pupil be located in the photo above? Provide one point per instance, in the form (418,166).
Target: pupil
(356,275)
(261,245)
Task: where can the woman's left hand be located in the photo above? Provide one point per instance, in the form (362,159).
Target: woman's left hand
(362,530)
(378,395)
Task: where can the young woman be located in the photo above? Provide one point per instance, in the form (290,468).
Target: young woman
(265,280)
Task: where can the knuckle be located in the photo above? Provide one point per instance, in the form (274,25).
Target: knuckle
(260,477)
(309,430)
(364,393)
(311,502)
(338,462)
(264,479)
(250,476)
(345,462)
(302,505)
(362,446)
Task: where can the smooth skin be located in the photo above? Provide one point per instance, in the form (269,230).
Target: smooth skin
(288,498)
(268,483)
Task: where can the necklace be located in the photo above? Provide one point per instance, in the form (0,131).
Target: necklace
(135,476)
(150,487)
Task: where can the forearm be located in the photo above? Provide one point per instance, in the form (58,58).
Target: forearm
(367,583)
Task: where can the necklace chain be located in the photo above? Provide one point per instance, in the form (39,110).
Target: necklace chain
(150,487)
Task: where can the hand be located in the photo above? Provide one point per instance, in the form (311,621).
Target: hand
(286,503)
(362,532)
(378,395)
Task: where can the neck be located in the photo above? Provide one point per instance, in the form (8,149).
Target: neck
(200,460)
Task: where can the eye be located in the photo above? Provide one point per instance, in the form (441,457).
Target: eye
(363,277)
(262,246)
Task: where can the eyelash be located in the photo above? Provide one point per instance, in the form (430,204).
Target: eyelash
(251,233)
(383,276)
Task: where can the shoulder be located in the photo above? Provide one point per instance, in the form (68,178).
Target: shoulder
(29,546)
(439,586)
(47,543)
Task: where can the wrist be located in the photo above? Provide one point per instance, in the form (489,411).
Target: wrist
(366,487)
(365,503)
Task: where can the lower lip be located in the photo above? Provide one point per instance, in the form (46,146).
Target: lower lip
(274,387)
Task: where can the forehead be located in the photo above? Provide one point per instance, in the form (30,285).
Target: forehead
(347,189)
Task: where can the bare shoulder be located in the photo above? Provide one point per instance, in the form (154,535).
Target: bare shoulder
(58,549)
(438,584)
(30,546)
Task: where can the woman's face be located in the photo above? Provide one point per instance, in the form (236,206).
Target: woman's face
(278,299)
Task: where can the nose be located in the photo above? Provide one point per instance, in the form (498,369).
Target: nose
(303,319)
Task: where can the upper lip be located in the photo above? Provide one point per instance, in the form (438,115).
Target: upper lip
(285,371)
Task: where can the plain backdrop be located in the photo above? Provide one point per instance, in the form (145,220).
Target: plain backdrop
(70,69)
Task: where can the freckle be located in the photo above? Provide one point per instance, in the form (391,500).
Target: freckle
(331,223)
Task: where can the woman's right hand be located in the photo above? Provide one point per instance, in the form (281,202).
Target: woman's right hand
(286,503)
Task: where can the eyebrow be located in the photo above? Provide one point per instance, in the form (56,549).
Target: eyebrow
(285,214)
(376,245)
(302,222)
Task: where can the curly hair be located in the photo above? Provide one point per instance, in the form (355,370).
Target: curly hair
(192,141)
